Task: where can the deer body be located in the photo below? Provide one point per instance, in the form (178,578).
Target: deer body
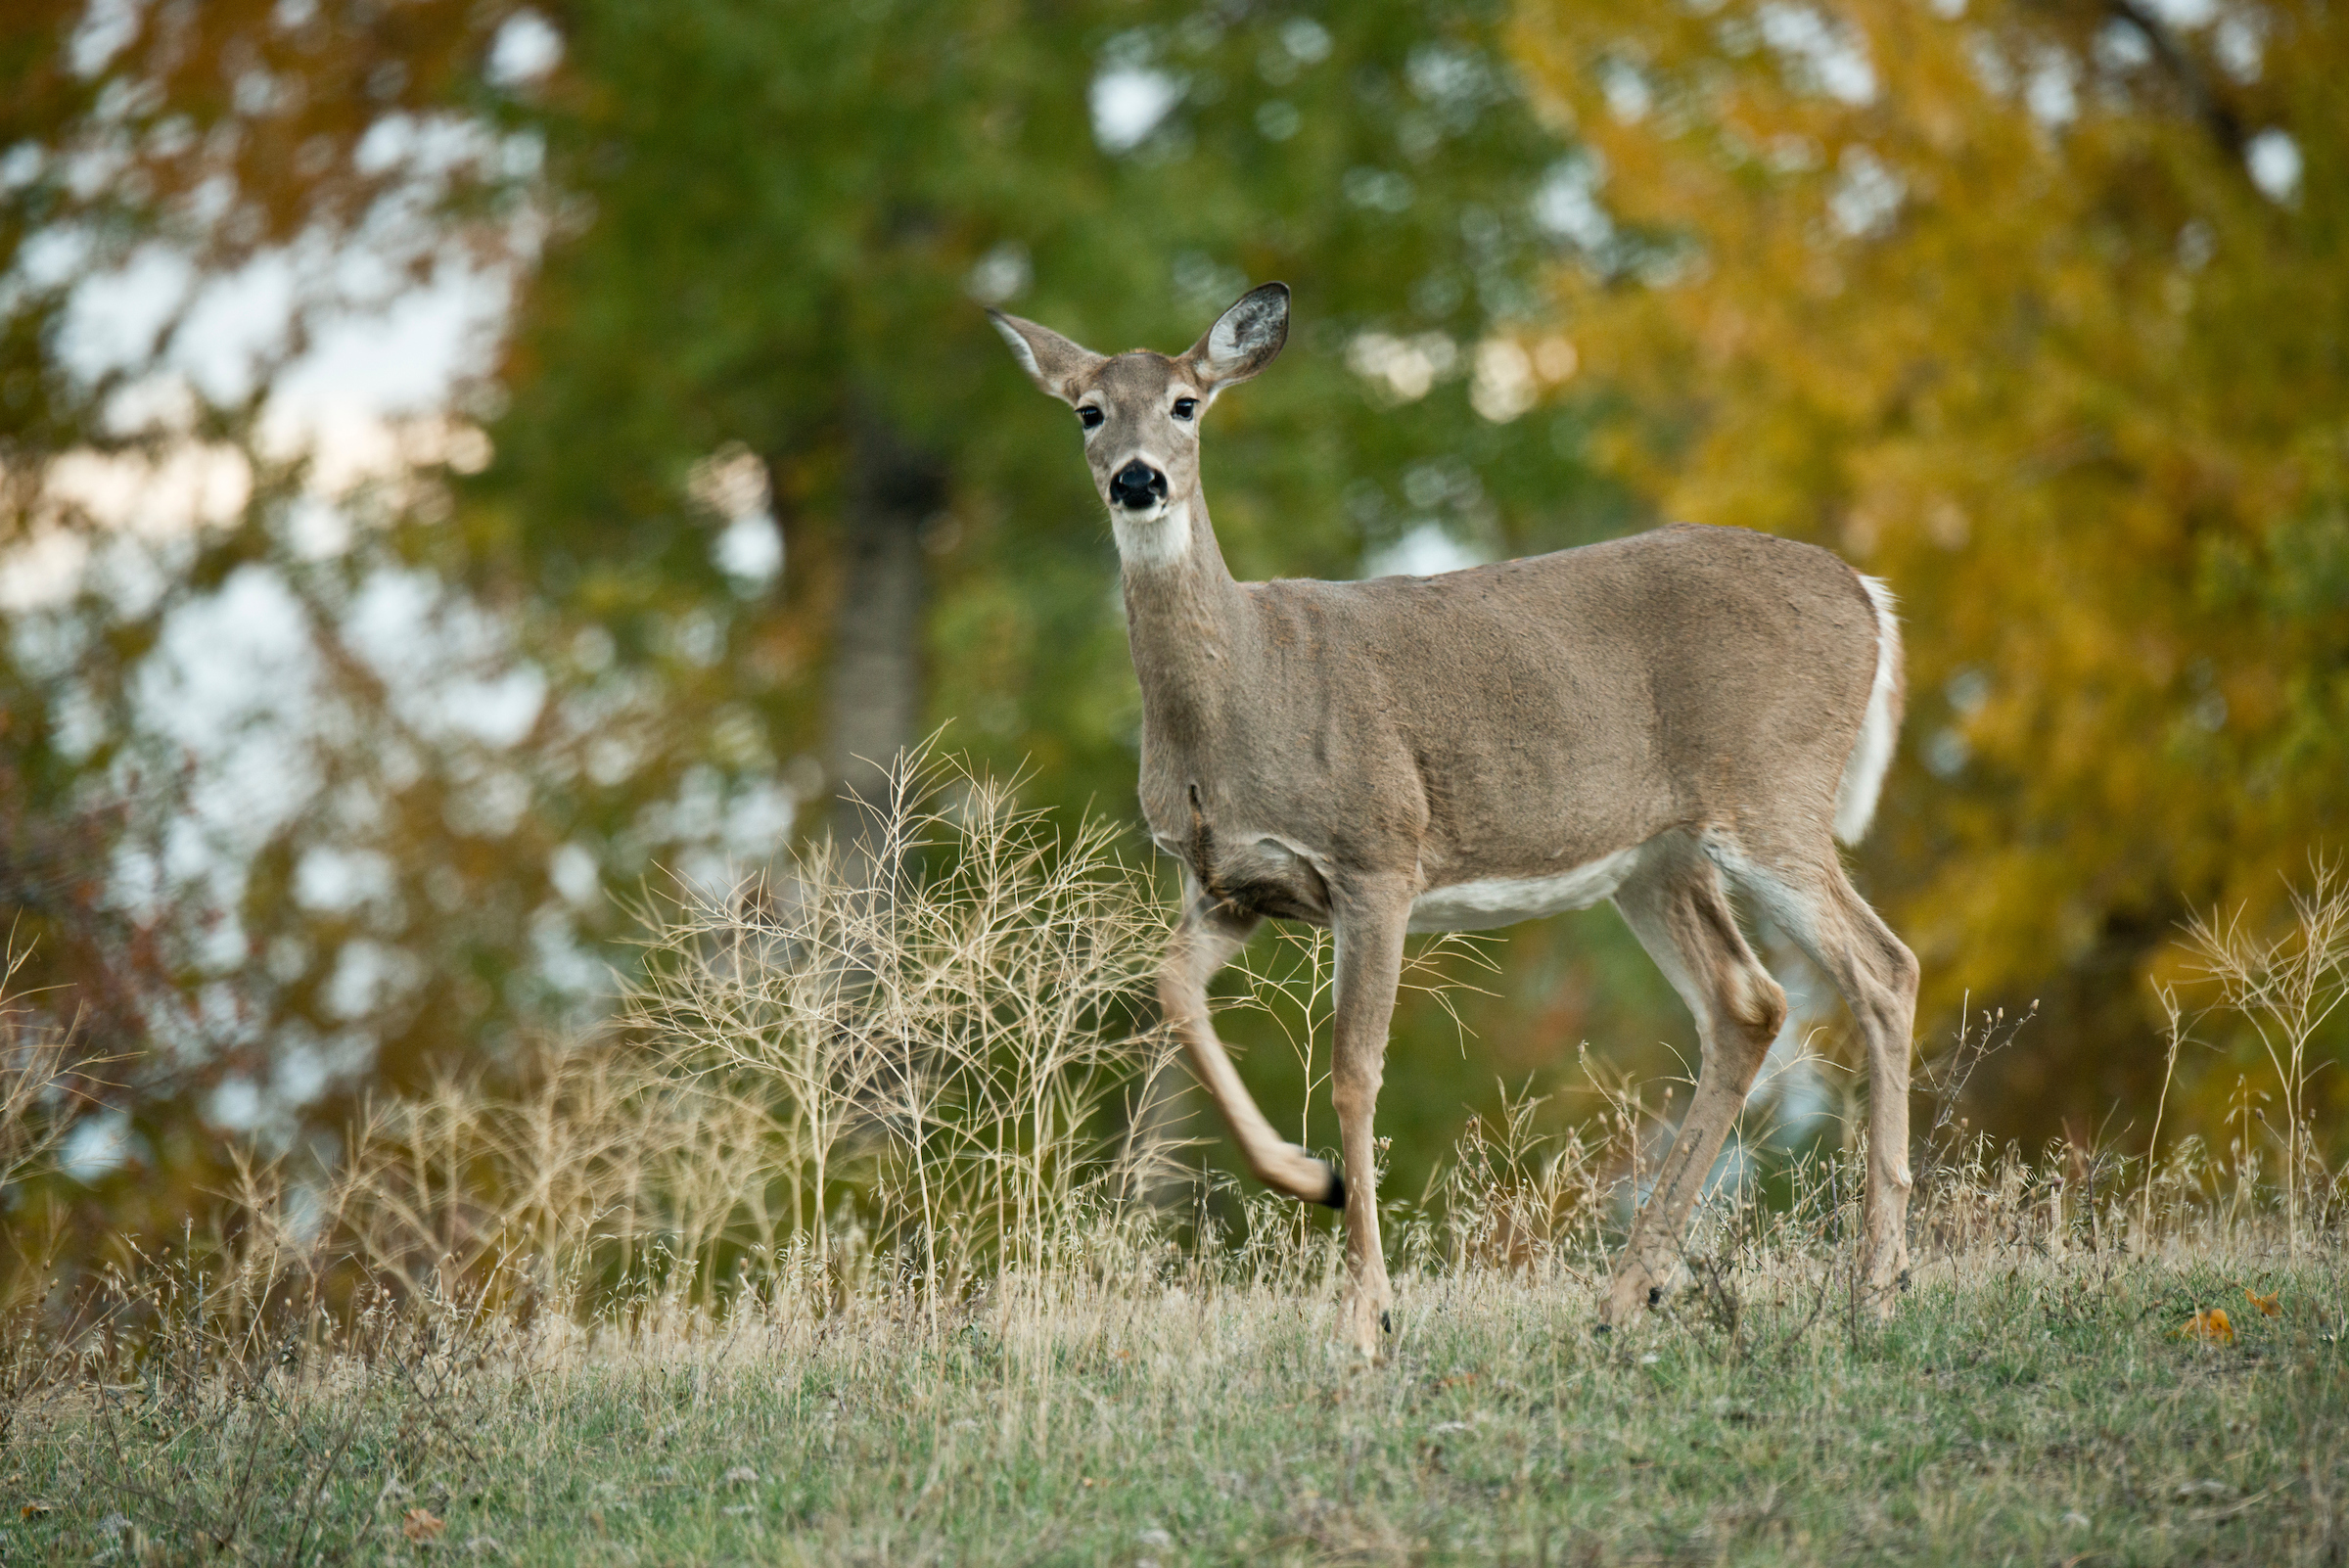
(1616,725)
(1649,720)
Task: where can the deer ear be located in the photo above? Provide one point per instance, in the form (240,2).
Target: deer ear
(1244,338)
(1053,362)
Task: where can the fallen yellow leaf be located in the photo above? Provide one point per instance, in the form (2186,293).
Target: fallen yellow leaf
(422,1524)
(2269,1305)
(2212,1325)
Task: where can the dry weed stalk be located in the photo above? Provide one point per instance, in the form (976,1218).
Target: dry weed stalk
(43,1091)
(44,1083)
(1513,1196)
(2287,987)
(1944,1077)
(2174,1039)
(1290,983)
(935,1026)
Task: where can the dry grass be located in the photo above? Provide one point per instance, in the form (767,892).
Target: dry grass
(2036,1398)
(838,1249)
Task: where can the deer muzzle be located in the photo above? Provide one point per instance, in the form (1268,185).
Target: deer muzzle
(1138,486)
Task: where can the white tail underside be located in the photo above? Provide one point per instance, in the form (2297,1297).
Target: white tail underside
(1872,753)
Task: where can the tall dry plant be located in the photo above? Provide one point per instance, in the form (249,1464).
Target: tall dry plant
(1517,1195)
(41,1091)
(938,1022)
(1288,979)
(44,1089)
(899,1065)
(2286,986)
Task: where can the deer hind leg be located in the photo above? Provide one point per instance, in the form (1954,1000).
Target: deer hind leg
(1677,907)
(1876,976)
(1371,924)
(1204,941)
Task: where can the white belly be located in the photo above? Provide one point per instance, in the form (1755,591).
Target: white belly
(1505,901)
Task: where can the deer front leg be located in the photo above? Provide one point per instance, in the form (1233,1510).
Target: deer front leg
(1204,941)
(1370,928)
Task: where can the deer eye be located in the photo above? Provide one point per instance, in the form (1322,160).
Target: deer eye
(1090,418)
(1185,407)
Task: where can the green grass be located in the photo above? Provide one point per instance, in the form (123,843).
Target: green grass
(2028,1411)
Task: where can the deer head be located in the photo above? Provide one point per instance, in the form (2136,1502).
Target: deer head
(1141,411)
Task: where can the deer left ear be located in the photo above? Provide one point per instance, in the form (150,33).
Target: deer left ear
(1244,339)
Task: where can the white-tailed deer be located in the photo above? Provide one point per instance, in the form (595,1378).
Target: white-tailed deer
(1643,720)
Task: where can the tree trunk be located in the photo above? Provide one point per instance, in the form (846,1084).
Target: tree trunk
(876,697)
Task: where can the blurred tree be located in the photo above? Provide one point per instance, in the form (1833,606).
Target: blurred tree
(764,299)
(795,219)
(249,872)
(197,140)
(2039,310)
(415,730)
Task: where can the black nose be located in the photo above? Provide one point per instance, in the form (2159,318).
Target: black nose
(1137,485)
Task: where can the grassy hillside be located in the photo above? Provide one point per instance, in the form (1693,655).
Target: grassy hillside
(2021,1408)
(848,1246)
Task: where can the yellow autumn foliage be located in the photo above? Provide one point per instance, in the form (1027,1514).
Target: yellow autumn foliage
(2039,312)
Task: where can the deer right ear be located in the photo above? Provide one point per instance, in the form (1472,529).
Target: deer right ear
(1054,364)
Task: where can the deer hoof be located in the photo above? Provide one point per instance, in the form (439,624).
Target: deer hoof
(1335,1196)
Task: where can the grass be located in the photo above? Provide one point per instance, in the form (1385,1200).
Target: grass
(2019,1408)
(857,1241)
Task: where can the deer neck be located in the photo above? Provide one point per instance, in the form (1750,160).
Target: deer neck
(1185,621)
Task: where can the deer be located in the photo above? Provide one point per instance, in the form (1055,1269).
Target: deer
(1657,721)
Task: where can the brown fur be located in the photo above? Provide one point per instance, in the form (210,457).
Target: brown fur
(1333,752)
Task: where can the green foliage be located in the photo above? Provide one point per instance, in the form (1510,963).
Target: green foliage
(750,242)
(782,221)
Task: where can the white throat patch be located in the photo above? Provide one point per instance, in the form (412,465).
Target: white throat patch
(1158,538)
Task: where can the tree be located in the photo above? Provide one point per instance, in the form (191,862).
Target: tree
(795,221)
(254,903)
(752,246)
(2037,310)
(199,139)
(796,218)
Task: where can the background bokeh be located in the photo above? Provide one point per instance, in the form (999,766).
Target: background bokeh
(465,464)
